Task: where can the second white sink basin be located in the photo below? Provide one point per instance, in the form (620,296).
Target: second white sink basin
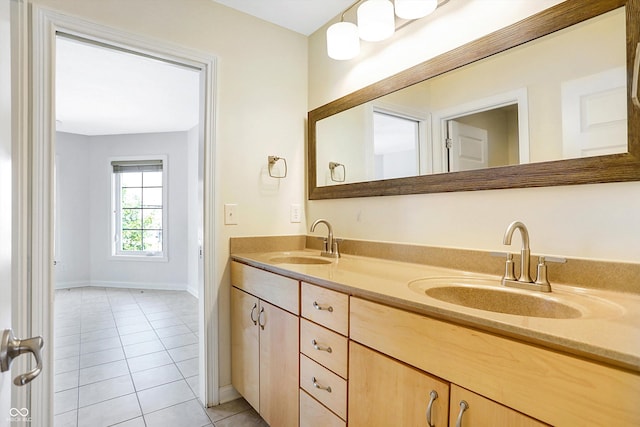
(490,295)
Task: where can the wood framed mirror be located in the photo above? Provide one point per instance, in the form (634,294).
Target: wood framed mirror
(623,166)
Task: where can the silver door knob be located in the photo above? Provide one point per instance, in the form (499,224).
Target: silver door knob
(11,347)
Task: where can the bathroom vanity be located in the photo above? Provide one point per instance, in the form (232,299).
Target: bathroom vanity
(366,344)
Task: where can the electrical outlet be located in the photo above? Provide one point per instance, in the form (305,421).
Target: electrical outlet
(230,214)
(296,213)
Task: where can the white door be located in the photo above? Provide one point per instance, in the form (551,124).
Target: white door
(5,201)
(594,114)
(468,147)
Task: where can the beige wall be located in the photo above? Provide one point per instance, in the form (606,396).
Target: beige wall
(261,104)
(587,221)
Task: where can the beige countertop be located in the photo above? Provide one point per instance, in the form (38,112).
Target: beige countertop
(608,330)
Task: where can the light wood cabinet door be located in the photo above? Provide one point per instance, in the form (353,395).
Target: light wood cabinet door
(481,412)
(245,364)
(279,366)
(384,392)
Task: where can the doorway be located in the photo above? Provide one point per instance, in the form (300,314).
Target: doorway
(41,213)
(127,219)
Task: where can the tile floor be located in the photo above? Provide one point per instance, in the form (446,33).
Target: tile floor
(129,358)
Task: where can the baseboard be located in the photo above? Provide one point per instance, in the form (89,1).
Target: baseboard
(69,285)
(193,291)
(130,285)
(228,393)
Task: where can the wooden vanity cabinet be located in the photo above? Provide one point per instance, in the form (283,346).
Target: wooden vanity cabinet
(265,343)
(384,392)
(506,376)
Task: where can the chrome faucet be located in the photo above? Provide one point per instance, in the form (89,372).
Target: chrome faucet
(525,252)
(524,281)
(330,247)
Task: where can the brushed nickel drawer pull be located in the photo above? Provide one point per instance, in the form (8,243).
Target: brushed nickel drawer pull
(433,396)
(319,347)
(318,386)
(319,307)
(463,407)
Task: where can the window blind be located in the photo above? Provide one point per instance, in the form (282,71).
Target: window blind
(124,166)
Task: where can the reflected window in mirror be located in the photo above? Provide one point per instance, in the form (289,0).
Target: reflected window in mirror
(396,145)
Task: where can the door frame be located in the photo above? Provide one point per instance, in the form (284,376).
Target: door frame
(441,117)
(44,25)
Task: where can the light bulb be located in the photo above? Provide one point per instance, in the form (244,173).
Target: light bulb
(414,9)
(375,20)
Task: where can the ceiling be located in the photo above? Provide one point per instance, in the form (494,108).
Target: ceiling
(301,16)
(102,91)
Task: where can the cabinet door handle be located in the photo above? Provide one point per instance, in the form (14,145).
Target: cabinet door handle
(320,307)
(433,396)
(319,347)
(463,407)
(318,386)
(253,310)
(261,320)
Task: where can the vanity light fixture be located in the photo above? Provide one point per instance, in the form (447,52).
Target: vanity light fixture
(415,9)
(376,22)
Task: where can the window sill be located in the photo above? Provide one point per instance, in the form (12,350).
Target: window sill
(140,258)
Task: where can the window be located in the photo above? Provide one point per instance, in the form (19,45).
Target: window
(139,207)
(396,143)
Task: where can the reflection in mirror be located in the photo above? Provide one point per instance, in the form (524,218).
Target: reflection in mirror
(558,97)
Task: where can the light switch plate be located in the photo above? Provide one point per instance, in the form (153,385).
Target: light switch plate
(230,214)
(296,213)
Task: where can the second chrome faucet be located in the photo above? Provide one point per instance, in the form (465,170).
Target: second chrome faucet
(330,244)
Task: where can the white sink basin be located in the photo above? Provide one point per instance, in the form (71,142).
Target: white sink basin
(489,295)
(298,259)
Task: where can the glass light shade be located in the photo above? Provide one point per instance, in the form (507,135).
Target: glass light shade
(415,9)
(375,20)
(343,41)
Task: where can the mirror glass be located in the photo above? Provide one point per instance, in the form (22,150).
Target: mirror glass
(561,96)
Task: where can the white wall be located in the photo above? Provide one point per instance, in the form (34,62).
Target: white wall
(73,210)
(260,110)
(586,221)
(109,271)
(84,205)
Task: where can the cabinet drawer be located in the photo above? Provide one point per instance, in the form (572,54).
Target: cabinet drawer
(313,414)
(324,346)
(326,307)
(278,290)
(315,380)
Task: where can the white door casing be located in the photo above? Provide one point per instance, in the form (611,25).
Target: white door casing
(469,147)
(441,117)
(5,200)
(45,24)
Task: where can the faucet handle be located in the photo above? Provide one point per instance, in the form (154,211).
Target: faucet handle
(542,278)
(325,243)
(509,268)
